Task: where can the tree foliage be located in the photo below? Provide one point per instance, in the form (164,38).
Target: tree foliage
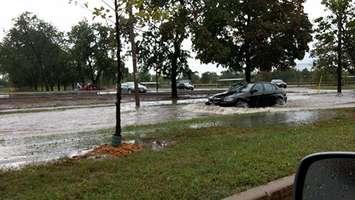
(335,38)
(32,54)
(254,34)
(92,51)
(171,28)
(35,54)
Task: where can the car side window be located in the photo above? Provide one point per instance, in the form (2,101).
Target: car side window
(269,88)
(259,87)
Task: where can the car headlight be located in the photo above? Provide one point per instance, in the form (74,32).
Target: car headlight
(229,99)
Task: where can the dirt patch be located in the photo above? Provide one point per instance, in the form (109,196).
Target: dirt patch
(110,151)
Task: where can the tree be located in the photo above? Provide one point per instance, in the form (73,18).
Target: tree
(119,8)
(332,33)
(209,77)
(157,52)
(154,54)
(173,27)
(350,43)
(229,74)
(253,34)
(188,74)
(91,50)
(32,53)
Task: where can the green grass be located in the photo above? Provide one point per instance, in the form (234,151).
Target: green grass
(205,163)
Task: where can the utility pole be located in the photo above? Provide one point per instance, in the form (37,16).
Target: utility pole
(117,137)
(134,53)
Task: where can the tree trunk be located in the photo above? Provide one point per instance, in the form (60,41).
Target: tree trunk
(340,44)
(248,64)
(248,70)
(117,138)
(47,87)
(157,79)
(174,94)
(134,56)
(58,86)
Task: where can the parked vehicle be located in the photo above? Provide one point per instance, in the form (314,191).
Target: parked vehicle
(87,87)
(129,88)
(185,85)
(280,83)
(250,95)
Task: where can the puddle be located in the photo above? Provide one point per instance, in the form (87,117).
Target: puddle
(260,119)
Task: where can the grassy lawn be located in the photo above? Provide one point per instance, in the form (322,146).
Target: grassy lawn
(205,163)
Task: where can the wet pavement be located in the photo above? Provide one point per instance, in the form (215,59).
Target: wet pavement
(44,136)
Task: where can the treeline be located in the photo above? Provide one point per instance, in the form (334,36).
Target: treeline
(34,54)
(291,75)
(242,36)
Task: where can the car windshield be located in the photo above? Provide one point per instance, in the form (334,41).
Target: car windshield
(246,88)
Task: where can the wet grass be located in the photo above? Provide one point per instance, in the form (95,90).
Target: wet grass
(206,163)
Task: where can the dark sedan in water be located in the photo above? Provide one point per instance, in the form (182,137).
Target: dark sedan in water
(250,95)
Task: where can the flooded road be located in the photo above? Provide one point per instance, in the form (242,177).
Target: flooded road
(44,136)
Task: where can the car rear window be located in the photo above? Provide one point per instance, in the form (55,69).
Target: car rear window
(269,88)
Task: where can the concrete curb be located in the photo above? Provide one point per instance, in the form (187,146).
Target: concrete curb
(277,190)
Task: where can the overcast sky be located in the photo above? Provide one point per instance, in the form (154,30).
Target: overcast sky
(64,15)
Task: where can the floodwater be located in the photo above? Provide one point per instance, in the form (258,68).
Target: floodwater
(43,136)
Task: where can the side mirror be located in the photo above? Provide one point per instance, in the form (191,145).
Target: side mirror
(326,176)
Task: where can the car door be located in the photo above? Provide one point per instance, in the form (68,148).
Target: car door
(256,99)
(269,99)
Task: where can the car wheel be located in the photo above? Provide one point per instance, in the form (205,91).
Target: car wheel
(280,102)
(242,104)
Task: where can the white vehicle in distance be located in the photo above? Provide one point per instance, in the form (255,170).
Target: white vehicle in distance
(280,83)
(129,88)
(185,85)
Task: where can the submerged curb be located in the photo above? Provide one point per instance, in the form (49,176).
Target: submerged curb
(277,190)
